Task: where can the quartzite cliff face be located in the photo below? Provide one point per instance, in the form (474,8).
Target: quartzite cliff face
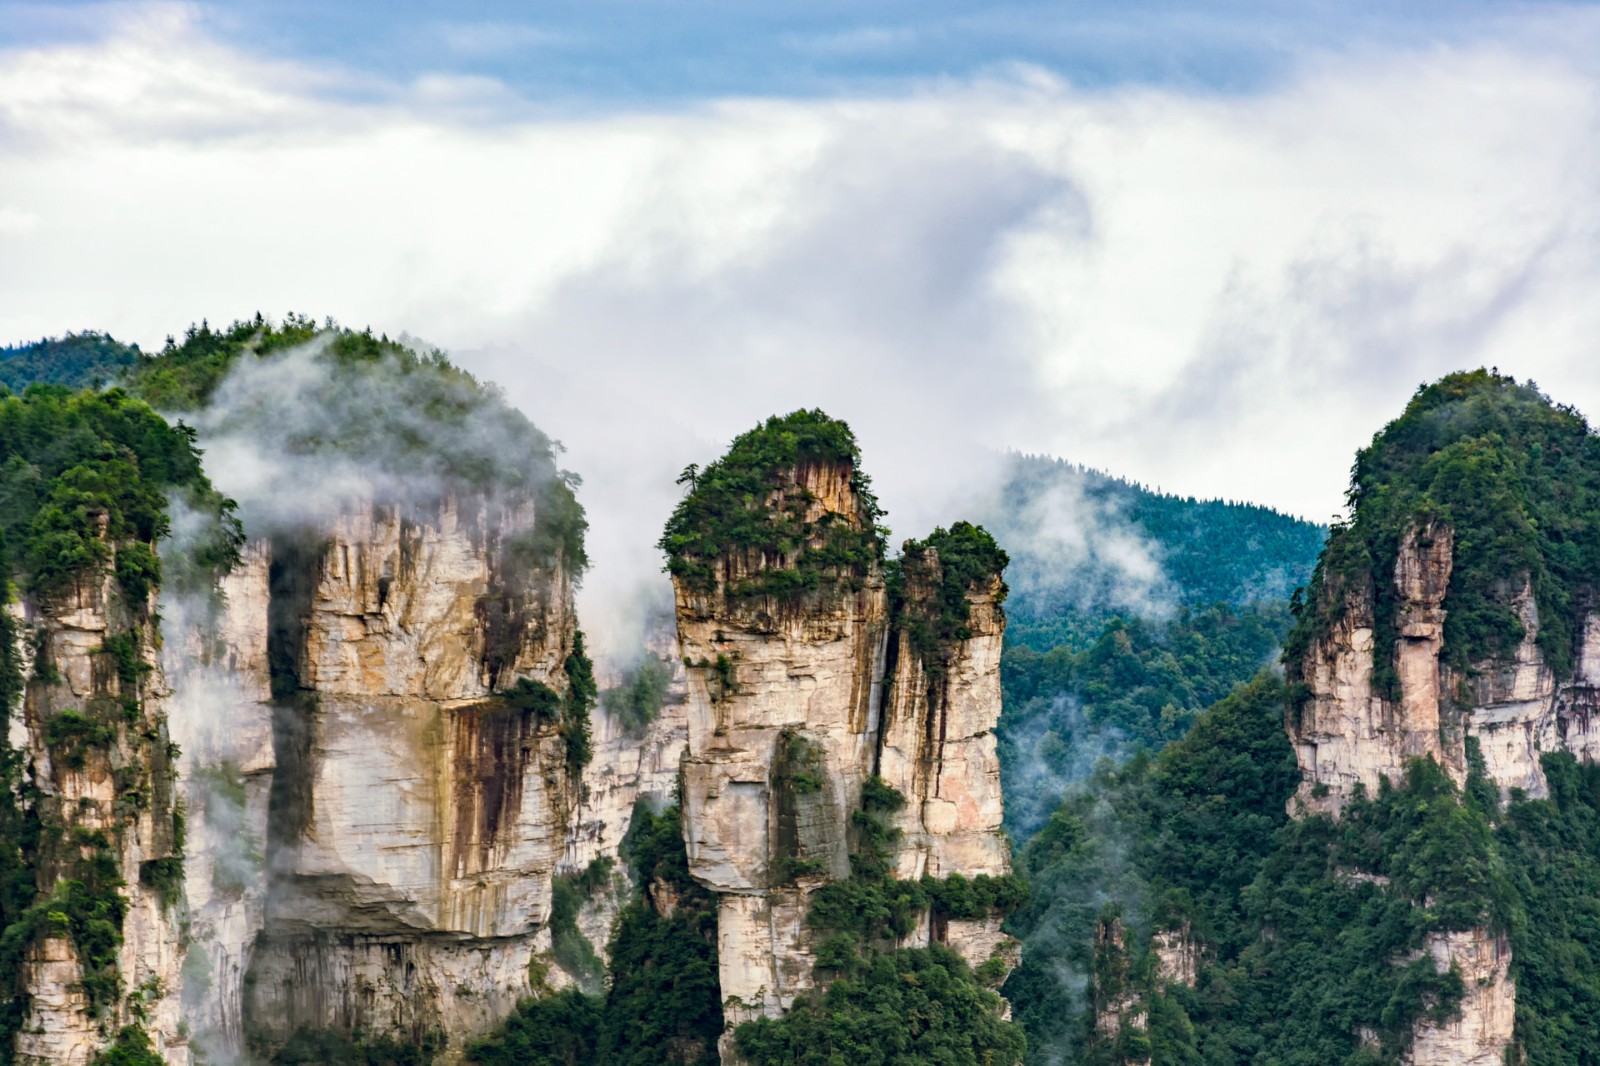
(794,701)
(1349,733)
(409,821)
(93,731)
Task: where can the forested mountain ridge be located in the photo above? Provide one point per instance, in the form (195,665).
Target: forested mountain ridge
(1386,853)
(77,360)
(1088,546)
(1407,873)
(1132,610)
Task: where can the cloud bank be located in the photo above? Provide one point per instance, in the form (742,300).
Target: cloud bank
(1222,295)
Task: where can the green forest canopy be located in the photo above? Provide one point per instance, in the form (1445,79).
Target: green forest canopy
(1516,477)
(77,360)
(413,416)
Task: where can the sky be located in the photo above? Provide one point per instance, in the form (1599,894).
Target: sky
(1212,248)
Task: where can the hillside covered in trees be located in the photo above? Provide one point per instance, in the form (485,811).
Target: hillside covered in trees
(1131,611)
(76,360)
(1185,909)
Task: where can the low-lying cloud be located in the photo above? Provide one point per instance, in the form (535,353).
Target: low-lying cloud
(1220,295)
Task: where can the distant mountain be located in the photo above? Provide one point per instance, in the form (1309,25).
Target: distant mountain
(77,360)
(1087,547)
(1130,612)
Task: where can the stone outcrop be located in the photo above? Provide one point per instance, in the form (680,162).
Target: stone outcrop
(403,822)
(93,734)
(1348,733)
(775,690)
(1115,1000)
(1480,1032)
(793,702)
(1177,954)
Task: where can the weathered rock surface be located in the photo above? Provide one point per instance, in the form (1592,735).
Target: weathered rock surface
(788,716)
(1347,734)
(386,830)
(1178,956)
(1514,706)
(1479,1034)
(95,747)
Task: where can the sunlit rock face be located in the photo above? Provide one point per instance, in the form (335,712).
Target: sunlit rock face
(1346,733)
(1480,1032)
(1513,707)
(406,824)
(793,701)
(772,683)
(92,733)
(938,749)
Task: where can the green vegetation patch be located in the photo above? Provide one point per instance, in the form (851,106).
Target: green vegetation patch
(751,504)
(930,583)
(637,700)
(1137,686)
(319,1047)
(78,360)
(662,1005)
(85,473)
(1517,479)
(882,1004)
(570,948)
(901,1008)
(576,704)
(412,416)
(1310,931)
(132,1047)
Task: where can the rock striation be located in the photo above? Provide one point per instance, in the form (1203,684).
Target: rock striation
(1349,733)
(93,736)
(405,818)
(798,692)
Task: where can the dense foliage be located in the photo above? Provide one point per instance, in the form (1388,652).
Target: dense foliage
(637,699)
(1310,929)
(750,505)
(882,1005)
(1086,547)
(77,360)
(1138,686)
(901,1008)
(1130,612)
(662,1003)
(411,426)
(930,582)
(1517,479)
(318,1047)
(73,462)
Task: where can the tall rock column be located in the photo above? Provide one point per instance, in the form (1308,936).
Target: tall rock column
(790,625)
(783,708)
(938,747)
(109,864)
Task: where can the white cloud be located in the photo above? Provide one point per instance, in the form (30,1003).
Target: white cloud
(1219,295)
(15,221)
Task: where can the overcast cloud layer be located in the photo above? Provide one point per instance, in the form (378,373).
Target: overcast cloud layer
(1223,295)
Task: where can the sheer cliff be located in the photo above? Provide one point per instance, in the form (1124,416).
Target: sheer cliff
(818,676)
(1376,858)
(1452,619)
(95,830)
